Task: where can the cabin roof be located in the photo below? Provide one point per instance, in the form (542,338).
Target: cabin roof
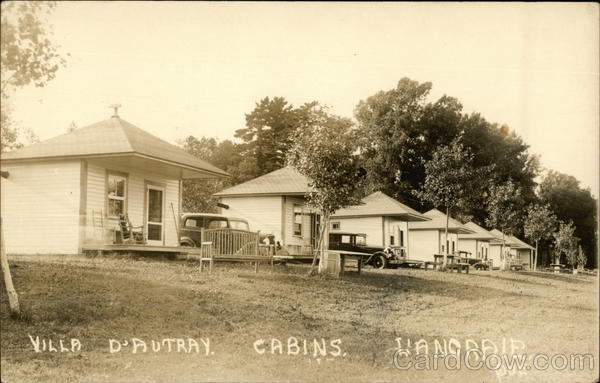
(479,232)
(109,138)
(438,222)
(507,238)
(380,204)
(284,181)
(518,244)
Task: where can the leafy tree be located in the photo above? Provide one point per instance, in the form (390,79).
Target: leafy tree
(570,202)
(539,224)
(267,136)
(401,130)
(447,178)
(27,55)
(198,194)
(566,243)
(504,205)
(323,151)
(581,258)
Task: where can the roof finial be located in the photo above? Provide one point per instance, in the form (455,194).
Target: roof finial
(116,108)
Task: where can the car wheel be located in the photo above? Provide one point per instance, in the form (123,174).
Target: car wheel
(379,261)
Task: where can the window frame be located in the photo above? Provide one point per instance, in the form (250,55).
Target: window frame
(334,223)
(295,207)
(107,197)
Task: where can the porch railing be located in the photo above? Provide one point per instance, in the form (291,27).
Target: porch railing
(234,242)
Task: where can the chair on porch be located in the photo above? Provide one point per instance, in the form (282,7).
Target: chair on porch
(129,233)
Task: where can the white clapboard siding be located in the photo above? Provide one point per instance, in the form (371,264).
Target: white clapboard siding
(390,227)
(422,244)
(371,226)
(469,245)
(136,196)
(452,239)
(290,238)
(40,207)
(262,212)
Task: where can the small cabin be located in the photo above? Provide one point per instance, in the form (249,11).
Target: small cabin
(67,193)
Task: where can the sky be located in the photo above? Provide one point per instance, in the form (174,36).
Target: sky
(183,68)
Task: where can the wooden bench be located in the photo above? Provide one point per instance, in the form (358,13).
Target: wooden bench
(459,267)
(434,265)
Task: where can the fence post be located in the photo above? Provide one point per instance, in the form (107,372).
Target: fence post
(257,242)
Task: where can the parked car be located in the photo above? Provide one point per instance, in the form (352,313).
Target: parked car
(192,223)
(376,256)
(476,263)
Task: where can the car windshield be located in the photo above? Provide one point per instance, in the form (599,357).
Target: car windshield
(240,225)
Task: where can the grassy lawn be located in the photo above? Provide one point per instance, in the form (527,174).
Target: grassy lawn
(358,318)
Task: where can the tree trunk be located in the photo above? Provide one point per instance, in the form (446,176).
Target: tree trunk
(502,252)
(535,259)
(445,261)
(13,298)
(319,251)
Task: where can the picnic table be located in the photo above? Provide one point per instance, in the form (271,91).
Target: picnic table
(334,261)
(454,263)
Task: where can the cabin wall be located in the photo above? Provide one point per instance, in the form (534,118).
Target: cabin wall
(394,228)
(495,255)
(262,213)
(469,245)
(297,242)
(422,244)
(452,242)
(525,257)
(137,181)
(371,226)
(40,207)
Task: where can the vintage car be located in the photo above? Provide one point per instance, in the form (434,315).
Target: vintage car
(377,256)
(193,223)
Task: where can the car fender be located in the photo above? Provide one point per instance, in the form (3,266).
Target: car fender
(187,241)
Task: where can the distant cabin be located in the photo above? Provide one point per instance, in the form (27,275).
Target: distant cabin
(476,243)
(68,191)
(382,218)
(496,254)
(522,252)
(275,204)
(428,238)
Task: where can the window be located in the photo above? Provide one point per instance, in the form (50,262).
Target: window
(452,246)
(335,226)
(297,222)
(402,238)
(345,239)
(240,225)
(193,222)
(116,194)
(217,223)
(392,240)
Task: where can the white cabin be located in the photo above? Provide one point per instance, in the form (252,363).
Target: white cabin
(67,192)
(428,238)
(383,219)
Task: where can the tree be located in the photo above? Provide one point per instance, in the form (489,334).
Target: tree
(581,258)
(570,202)
(267,136)
(27,57)
(539,224)
(323,151)
(401,130)
(198,194)
(503,206)
(447,178)
(566,243)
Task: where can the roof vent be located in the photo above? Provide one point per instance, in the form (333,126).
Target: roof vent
(116,108)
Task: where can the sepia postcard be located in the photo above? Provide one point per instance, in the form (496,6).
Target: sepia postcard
(196,191)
